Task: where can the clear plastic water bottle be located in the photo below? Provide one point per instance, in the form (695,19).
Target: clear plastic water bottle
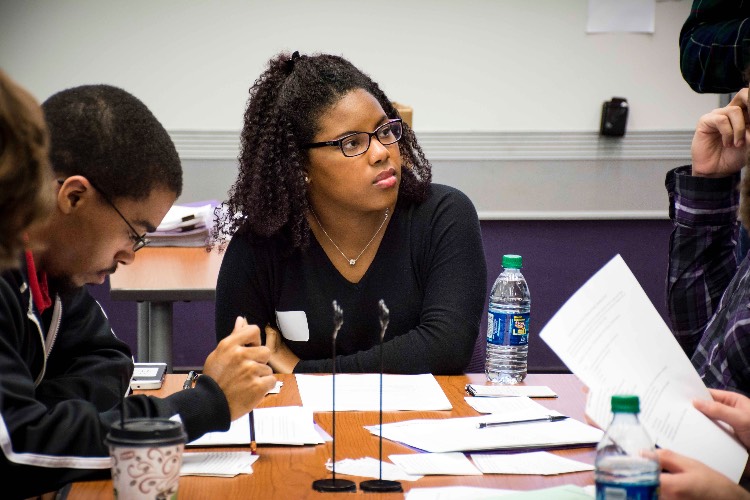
(508,325)
(626,466)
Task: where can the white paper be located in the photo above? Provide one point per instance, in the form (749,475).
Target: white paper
(180,216)
(630,16)
(217,463)
(510,405)
(370,467)
(499,391)
(454,492)
(237,435)
(442,464)
(289,425)
(611,336)
(293,325)
(276,388)
(536,462)
(462,434)
(565,492)
(361,392)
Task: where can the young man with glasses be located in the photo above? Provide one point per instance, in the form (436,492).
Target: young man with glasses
(334,201)
(64,372)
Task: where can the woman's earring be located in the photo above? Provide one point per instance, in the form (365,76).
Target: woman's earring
(307,179)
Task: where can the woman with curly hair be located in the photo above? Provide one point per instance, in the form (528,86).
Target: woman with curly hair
(334,202)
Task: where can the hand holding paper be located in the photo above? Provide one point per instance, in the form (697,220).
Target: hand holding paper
(611,336)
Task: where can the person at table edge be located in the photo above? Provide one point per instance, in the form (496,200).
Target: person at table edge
(64,372)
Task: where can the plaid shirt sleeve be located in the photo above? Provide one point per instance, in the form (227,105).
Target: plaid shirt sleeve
(715,45)
(702,260)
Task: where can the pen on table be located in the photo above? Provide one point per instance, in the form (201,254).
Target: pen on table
(190,379)
(253,444)
(548,418)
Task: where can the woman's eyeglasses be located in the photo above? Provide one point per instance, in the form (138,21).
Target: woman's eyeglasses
(357,143)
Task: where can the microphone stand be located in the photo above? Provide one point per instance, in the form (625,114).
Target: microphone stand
(334,485)
(381,485)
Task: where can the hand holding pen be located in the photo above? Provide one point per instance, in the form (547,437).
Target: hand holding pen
(238,366)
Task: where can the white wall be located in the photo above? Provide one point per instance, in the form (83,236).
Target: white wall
(469,65)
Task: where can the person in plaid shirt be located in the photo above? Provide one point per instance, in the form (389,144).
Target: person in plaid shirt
(715,45)
(708,290)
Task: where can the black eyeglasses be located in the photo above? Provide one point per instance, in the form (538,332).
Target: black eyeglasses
(139,241)
(357,143)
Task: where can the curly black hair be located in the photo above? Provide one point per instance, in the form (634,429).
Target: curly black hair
(269,196)
(110,137)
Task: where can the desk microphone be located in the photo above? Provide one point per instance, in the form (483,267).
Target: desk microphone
(380,485)
(334,485)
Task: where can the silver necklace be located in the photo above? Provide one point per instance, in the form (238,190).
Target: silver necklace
(353,261)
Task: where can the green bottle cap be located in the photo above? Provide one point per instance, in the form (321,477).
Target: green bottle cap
(625,404)
(511,261)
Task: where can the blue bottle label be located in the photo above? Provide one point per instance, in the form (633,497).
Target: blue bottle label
(620,491)
(508,329)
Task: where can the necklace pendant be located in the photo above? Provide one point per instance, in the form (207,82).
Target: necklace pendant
(352,262)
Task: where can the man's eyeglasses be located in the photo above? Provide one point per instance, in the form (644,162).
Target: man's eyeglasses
(139,241)
(358,143)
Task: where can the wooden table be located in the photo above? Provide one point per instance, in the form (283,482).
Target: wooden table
(287,472)
(157,278)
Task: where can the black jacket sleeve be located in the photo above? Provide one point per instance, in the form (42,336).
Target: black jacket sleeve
(49,439)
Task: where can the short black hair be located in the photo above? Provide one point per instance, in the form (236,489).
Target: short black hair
(269,196)
(110,137)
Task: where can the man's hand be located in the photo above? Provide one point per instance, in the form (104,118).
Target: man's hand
(282,359)
(720,141)
(239,366)
(687,478)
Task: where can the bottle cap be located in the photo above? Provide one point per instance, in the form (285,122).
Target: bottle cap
(625,404)
(512,261)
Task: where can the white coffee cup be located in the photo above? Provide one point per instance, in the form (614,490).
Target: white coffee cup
(146,458)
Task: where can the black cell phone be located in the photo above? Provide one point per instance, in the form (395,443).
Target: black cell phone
(148,375)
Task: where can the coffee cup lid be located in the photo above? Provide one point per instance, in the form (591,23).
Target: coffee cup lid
(147,430)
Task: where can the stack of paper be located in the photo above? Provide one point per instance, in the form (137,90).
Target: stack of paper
(507,408)
(289,425)
(218,463)
(501,391)
(184,226)
(464,434)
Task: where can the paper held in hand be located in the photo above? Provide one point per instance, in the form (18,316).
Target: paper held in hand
(611,336)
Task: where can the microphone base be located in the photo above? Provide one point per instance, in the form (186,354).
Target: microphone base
(380,486)
(334,485)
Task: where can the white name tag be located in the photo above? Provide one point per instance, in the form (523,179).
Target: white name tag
(293,325)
